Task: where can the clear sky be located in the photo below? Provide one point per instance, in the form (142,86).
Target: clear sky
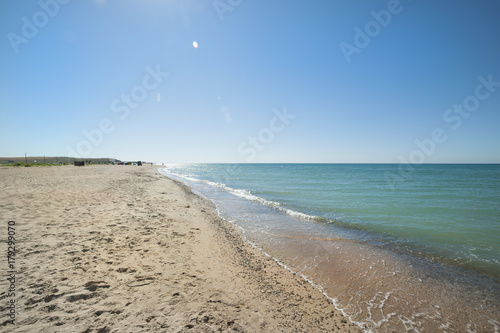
(270,81)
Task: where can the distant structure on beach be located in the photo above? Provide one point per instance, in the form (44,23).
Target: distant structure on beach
(64,160)
(34,160)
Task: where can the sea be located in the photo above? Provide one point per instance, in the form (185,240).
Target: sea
(396,248)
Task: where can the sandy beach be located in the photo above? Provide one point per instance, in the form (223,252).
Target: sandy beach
(125,249)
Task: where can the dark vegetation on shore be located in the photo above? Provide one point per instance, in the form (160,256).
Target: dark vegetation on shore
(27,161)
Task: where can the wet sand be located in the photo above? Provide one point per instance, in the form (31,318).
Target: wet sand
(122,248)
(386,292)
(380,287)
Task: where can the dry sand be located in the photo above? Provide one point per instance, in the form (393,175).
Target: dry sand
(124,249)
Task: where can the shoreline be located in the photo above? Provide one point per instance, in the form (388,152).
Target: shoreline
(419,251)
(240,231)
(373,283)
(113,248)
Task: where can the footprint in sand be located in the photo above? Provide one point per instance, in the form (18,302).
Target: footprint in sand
(93,285)
(141,281)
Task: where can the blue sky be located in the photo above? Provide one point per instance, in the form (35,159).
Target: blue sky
(270,81)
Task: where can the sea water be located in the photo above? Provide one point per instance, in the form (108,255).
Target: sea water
(396,247)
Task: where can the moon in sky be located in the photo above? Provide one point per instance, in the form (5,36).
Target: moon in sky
(195,45)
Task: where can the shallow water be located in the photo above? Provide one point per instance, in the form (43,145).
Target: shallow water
(392,259)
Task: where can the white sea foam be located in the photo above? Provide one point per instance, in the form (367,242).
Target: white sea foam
(245,194)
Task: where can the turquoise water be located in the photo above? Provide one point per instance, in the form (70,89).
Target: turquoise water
(395,247)
(447,211)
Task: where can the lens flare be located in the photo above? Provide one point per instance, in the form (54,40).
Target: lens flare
(195,45)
